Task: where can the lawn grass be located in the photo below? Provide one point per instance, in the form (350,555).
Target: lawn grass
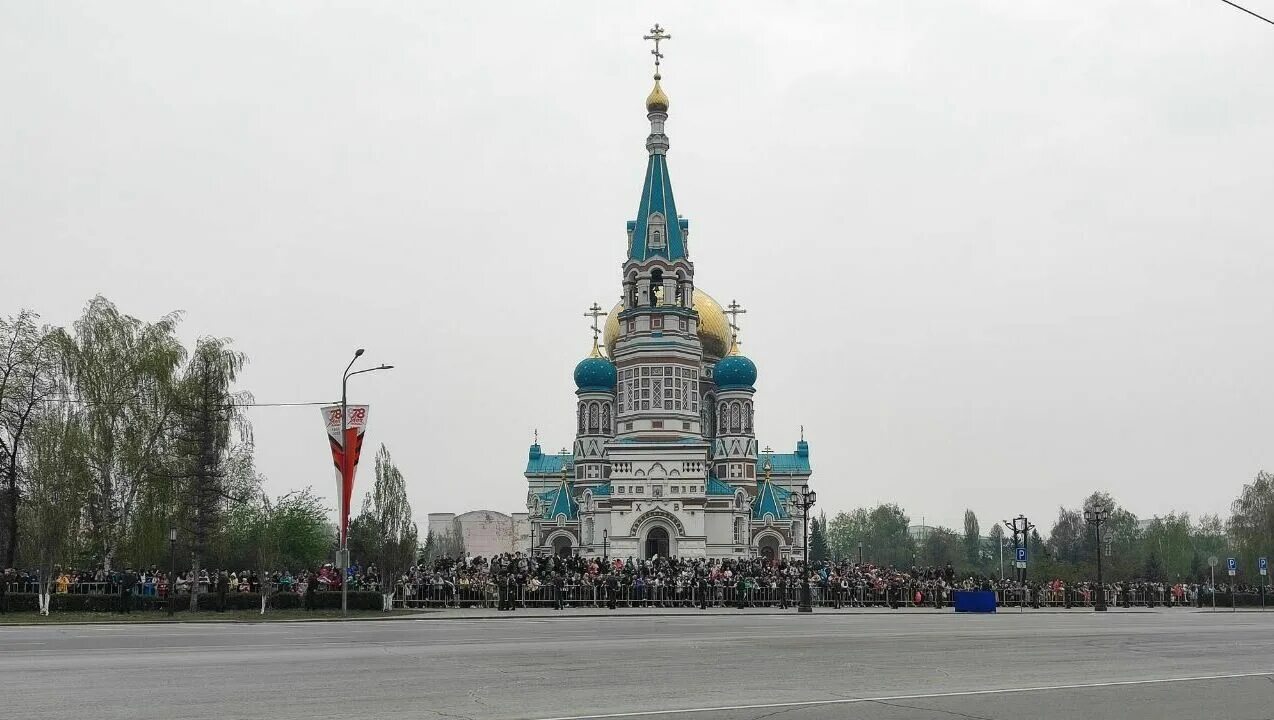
(246,616)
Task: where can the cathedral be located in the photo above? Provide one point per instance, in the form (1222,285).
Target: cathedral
(666,459)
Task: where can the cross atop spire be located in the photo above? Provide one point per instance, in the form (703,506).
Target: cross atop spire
(657,34)
(734,310)
(595,312)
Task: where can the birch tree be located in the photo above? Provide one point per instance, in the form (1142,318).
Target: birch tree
(122,372)
(58,484)
(28,380)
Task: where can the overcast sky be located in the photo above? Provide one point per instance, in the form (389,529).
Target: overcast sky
(995,254)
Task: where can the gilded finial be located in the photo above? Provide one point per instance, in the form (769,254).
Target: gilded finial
(657,100)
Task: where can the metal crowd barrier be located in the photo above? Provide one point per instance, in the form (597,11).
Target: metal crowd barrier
(597,596)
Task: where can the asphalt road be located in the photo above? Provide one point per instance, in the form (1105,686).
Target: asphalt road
(1170,664)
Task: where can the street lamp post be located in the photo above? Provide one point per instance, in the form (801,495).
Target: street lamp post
(860,553)
(805,499)
(605,539)
(172,569)
(1095,515)
(344,552)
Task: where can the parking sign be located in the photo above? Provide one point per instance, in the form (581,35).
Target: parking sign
(1232,565)
(1264,565)
(1021,554)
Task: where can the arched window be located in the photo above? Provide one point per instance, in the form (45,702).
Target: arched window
(723,422)
(592,417)
(657,236)
(738,530)
(747,418)
(606,418)
(736,418)
(581,418)
(656,287)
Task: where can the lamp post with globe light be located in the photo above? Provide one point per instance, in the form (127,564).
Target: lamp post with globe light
(1096,515)
(804,498)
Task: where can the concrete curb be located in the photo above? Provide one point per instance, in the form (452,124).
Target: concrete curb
(480,614)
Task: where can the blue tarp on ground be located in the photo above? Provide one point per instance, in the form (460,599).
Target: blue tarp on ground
(980,601)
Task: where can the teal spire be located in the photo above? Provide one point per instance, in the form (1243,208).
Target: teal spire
(560,502)
(770,500)
(658,230)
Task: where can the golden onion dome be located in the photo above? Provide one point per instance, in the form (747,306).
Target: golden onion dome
(714,328)
(657,101)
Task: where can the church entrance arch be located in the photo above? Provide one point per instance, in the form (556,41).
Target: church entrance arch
(562,546)
(657,542)
(768,548)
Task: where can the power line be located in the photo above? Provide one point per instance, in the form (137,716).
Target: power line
(90,403)
(1249,12)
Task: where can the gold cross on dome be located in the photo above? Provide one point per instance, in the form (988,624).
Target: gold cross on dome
(595,312)
(657,34)
(734,310)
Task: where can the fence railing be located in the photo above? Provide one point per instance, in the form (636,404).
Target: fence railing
(598,596)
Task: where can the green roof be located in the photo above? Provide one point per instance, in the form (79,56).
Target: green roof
(718,487)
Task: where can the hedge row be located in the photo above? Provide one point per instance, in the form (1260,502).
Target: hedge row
(20,602)
(1240,599)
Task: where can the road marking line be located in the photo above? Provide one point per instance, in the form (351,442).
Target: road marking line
(920,696)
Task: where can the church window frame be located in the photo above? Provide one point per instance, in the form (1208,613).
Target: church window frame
(606,419)
(594,418)
(656,231)
(747,418)
(736,418)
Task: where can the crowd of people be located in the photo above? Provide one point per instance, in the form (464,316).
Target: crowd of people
(509,580)
(128,584)
(744,582)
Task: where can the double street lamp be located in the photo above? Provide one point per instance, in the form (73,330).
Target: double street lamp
(1095,515)
(344,552)
(804,498)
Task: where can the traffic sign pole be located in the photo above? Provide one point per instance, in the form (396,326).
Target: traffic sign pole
(1232,566)
(1263,564)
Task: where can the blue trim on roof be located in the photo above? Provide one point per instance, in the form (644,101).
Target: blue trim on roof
(770,500)
(790,463)
(718,487)
(603,490)
(540,464)
(683,441)
(560,501)
(656,197)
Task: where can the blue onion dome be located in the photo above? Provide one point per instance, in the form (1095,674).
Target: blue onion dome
(595,373)
(734,371)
